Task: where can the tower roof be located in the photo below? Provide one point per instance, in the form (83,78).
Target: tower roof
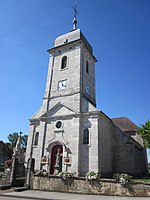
(71,37)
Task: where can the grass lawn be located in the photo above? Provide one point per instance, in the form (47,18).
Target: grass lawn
(146,180)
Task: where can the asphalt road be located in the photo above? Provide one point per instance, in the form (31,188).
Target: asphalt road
(43,195)
(11,198)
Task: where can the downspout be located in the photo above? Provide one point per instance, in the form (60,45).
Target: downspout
(47,108)
(80,116)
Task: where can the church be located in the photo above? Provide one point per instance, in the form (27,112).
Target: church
(68,132)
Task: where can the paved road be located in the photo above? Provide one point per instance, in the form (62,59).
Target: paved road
(11,198)
(41,195)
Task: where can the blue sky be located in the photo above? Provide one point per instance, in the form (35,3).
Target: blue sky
(118,30)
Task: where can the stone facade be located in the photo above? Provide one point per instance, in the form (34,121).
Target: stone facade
(68,120)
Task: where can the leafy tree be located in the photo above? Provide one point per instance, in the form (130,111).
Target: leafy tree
(24,140)
(12,138)
(144,131)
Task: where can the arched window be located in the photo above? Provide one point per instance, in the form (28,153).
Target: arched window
(64,62)
(86,136)
(36,138)
(87,67)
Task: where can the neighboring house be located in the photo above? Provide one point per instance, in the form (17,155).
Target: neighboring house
(5,152)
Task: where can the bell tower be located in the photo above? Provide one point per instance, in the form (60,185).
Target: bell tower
(71,73)
(71,76)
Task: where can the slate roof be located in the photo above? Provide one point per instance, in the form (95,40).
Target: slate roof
(125,124)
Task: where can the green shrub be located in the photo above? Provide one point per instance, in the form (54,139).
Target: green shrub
(66,175)
(91,175)
(2,167)
(42,172)
(122,178)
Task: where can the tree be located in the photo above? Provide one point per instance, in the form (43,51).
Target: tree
(12,137)
(24,140)
(144,131)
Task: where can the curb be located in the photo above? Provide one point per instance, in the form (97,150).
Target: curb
(26,197)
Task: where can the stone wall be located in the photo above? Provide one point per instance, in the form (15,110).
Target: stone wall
(129,156)
(80,185)
(105,146)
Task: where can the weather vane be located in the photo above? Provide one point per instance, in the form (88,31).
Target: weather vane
(75,17)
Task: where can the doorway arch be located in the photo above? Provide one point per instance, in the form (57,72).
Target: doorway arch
(53,157)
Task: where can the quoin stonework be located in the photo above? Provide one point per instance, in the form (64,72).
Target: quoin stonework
(68,133)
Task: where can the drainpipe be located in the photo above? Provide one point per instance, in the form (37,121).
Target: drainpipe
(47,108)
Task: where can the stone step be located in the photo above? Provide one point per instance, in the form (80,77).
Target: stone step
(5,187)
(20,189)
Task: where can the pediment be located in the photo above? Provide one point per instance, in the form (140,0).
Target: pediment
(60,109)
(37,115)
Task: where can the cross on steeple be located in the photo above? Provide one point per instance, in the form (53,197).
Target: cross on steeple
(75,17)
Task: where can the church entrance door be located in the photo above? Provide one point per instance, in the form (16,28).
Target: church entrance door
(57,148)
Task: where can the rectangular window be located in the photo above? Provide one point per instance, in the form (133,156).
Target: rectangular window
(87,67)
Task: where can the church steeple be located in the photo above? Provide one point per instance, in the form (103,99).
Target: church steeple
(75,17)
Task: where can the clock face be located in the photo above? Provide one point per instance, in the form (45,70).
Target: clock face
(62,84)
(87,88)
